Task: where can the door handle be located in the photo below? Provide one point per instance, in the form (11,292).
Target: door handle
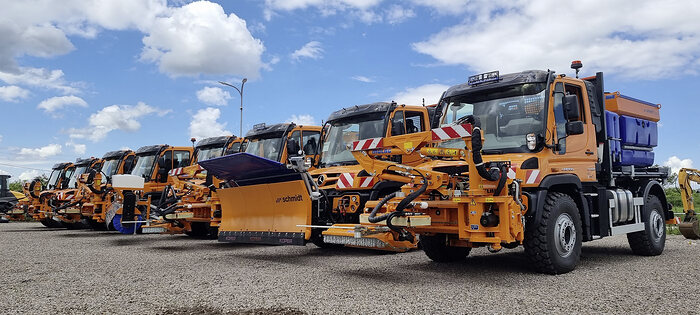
(589,152)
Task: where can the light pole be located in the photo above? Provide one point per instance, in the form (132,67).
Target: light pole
(240,91)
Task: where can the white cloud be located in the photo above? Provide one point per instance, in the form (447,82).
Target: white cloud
(200,38)
(40,77)
(311,50)
(662,36)
(213,96)
(42,152)
(414,96)
(196,38)
(3,172)
(78,148)
(676,164)
(0,138)
(362,79)
(205,124)
(326,8)
(12,93)
(304,119)
(29,175)
(451,7)
(51,104)
(396,14)
(114,117)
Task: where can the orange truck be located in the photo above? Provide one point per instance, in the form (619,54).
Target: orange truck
(533,159)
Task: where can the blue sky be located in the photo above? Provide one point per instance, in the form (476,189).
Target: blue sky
(79,78)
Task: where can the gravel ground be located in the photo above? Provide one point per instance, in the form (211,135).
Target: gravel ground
(62,271)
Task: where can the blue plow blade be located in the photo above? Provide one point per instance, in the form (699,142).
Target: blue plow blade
(248,169)
(129,228)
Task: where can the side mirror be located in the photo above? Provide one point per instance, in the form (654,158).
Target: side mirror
(574,128)
(293,147)
(571,107)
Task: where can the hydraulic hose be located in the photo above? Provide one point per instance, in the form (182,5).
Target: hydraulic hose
(32,186)
(487,174)
(372,216)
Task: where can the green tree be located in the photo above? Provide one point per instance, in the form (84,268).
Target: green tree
(17,185)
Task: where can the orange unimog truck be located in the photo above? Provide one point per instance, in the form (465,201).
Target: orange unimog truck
(552,161)
(39,207)
(137,192)
(66,203)
(250,209)
(344,185)
(95,187)
(191,203)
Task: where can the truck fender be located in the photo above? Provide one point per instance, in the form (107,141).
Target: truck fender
(559,182)
(653,187)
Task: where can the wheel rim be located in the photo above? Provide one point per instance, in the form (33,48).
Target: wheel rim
(657,225)
(565,235)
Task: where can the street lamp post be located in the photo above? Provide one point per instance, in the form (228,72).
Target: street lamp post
(240,91)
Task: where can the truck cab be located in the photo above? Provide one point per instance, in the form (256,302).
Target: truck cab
(64,204)
(278,142)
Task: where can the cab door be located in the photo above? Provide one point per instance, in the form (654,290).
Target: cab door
(577,152)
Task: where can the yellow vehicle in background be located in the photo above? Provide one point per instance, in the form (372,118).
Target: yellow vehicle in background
(136,192)
(95,187)
(191,203)
(65,203)
(690,226)
(10,199)
(38,206)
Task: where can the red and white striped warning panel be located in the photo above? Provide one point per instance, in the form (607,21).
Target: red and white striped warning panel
(452,132)
(367,144)
(366,182)
(345,180)
(532,177)
(175,171)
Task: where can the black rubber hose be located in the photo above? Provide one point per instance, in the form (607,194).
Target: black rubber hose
(501,181)
(372,216)
(487,174)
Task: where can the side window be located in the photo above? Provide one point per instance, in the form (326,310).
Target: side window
(576,90)
(129,164)
(311,141)
(244,146)
(235,148)
(414,122)
(168,158)
(559,118)
(181,159)
(397,124)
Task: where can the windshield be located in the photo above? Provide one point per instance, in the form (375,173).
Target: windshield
(144,165)
(268,148)
(344,132)
(209,153)
(507,115)
(53,179)
(74,177)
(111,167)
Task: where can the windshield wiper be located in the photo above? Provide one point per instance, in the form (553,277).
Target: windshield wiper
(492,151)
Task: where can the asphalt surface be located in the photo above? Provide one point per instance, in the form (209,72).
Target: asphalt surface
(80,271)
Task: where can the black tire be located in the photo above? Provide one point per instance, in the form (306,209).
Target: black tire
(45,222)
(652,240)
(554,245)
(436,248)
(52,223)
(202,230)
